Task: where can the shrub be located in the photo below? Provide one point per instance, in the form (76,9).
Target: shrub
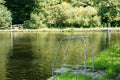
(53,13)
(82,17)
(42,15)
(5,16)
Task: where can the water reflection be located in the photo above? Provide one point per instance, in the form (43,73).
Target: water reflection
(107,34)
(4,53)
(20,60)
(24,62)
(29,56)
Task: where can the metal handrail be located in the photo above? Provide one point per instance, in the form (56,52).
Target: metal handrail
(85,45)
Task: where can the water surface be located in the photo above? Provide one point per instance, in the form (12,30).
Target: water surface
(29,56)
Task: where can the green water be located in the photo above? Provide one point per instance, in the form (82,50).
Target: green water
(29,56)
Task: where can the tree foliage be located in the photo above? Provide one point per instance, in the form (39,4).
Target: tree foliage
(82,17)
(110,11)
(2,2)
(21,10)
(64,13)
(42,15)
(5,15)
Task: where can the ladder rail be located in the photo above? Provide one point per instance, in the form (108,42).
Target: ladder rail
(85,46)
(57,53)
(92,41)
(85,64)
(56,56)
(68,46)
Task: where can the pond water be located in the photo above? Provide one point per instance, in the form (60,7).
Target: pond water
(29,56)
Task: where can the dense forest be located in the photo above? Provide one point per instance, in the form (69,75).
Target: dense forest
(59,13)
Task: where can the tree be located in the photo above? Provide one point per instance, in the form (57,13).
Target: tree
(5,16)
(21,10)
(42,15)
(110,11)
(62,14)
(82,17)
(2,2)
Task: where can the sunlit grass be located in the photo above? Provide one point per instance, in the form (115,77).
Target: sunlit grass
(109,60)
(63,29)
(69,76)
(73,29)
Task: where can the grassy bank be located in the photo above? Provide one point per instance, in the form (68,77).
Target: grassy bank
(108,61)
(117,29)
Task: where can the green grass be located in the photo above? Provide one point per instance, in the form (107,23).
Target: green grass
(107,60)
(69,76)
(75,29)
(61,29)
(66,29)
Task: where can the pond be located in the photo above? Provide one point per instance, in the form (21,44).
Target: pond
(29,56)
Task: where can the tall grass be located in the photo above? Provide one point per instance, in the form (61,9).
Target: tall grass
(109,60)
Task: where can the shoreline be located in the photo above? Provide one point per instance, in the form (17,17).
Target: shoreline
(65,30)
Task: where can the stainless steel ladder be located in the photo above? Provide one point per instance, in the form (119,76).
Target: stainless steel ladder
(84,66)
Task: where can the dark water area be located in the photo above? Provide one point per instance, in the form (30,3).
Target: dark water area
(29,56)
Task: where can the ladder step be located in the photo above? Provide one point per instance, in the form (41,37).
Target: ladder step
(72,65)
(62,70)
(82,66)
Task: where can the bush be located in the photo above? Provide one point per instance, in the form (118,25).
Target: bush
(82,17)
(43,13)
(5,16)
(49,13)
(37,21)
